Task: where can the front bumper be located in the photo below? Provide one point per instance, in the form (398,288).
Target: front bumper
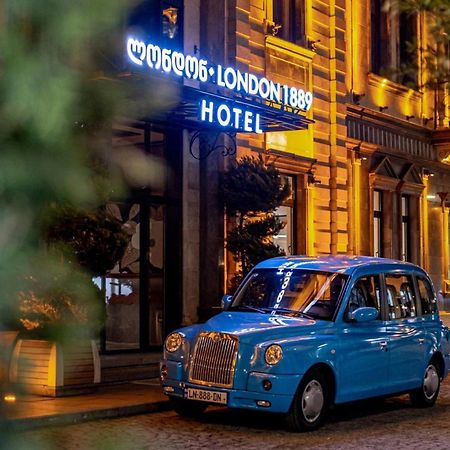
(278,399)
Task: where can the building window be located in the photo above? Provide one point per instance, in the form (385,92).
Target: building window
(377,223)
(393,43)
(285,213)
(290,14)
(405,231)
(163,19)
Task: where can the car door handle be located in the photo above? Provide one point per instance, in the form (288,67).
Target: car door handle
(421,340)
(383,345)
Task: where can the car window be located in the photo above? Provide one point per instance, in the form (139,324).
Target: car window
(291,291)
(401,299)
(365,292)
(427,298)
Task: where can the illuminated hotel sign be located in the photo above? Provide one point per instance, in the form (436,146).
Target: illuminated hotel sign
(222,113)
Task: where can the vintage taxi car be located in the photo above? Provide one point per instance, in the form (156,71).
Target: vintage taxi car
(304,333)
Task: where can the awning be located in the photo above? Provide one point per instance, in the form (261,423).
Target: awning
(274,117)
(185,111)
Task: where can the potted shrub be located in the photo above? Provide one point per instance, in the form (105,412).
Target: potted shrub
(61,314)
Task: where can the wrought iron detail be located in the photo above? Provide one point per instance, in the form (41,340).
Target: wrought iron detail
(210,141)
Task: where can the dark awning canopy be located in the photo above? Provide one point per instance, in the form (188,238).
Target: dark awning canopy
(274,117)
(185,110)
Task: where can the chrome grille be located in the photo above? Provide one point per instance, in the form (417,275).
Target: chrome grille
(214,359)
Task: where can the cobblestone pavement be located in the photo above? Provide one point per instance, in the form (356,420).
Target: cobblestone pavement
(381,424)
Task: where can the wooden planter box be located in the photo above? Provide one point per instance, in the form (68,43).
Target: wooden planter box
(51,369)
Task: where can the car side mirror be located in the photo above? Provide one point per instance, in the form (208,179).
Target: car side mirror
(226,301)
(363,314)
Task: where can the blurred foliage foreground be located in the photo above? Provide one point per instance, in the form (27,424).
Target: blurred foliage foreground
(57,102)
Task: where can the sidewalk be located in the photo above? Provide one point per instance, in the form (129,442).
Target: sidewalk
(138,397)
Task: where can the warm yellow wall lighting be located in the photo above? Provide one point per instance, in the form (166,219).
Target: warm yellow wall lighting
(11,398)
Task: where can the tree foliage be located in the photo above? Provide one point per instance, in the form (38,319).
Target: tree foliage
(252,191)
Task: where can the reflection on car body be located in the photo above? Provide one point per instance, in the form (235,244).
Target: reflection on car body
(303,333)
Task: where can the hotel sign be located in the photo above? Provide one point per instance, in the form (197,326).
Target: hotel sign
(225,114)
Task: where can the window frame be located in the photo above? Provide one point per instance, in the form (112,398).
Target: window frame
(418,297)
(296,20)
(378,214)
(381,316)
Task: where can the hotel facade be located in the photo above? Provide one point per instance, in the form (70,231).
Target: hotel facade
(313,88)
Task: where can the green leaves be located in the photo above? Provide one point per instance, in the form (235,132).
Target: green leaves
(251,193)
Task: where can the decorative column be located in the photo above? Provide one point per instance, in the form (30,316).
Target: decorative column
(444,249)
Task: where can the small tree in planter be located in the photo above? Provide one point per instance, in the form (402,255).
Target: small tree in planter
(62,313)
(252,191)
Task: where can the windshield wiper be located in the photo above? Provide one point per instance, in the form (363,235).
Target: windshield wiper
(292,311)
(251,308)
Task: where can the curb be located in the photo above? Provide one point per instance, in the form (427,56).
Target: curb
(85,416)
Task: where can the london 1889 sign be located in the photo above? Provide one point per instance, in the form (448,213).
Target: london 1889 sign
(222,113)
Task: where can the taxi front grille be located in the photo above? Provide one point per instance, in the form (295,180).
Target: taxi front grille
(214,358)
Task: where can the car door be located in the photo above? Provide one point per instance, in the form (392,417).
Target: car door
(363,359)
(429,320)
(405,334)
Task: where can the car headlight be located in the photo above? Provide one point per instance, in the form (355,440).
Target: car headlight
(274,354)
(173,342)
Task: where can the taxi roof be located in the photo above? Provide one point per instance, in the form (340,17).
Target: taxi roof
(341,263)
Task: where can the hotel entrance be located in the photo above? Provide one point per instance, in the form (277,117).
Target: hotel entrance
(143,291)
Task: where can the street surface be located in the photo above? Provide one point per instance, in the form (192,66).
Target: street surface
(381,424)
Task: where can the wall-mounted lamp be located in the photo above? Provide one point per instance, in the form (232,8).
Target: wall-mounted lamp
(382,108)
(272,27)
(311,178)
(409,117)
(357,152)
(313,44)
(425,120)
(356,98)
(427,173)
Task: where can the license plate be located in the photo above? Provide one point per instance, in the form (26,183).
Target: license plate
(204,395)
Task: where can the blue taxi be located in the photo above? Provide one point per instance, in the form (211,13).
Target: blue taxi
(304,333)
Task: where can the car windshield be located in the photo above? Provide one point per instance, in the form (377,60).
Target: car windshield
(295,292)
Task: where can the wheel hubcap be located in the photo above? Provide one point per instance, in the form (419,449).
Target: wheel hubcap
(312,401)
(430,382)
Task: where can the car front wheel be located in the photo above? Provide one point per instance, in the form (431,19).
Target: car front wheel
(310,403)
(427,394)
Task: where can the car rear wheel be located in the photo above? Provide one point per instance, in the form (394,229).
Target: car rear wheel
(188,408)
(427,394)
(310,403)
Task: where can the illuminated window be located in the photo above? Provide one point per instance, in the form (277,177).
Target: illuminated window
(290,14)
(377,223)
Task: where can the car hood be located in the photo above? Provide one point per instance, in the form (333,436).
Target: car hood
(255,327)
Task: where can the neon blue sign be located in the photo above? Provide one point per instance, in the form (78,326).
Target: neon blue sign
(230,116)
(191,67)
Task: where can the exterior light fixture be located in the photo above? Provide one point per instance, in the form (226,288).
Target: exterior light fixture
(425,120)
(382,108)
(313,44)
(427,173)
(356,98)
(311,178)
(410,117)
(358,155)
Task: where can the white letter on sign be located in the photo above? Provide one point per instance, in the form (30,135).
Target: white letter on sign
(206,110)
(223,121)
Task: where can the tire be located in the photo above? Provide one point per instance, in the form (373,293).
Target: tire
(310,404)
(188,408)
(427,394)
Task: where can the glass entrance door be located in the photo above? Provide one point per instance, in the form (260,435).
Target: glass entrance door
(134,289)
